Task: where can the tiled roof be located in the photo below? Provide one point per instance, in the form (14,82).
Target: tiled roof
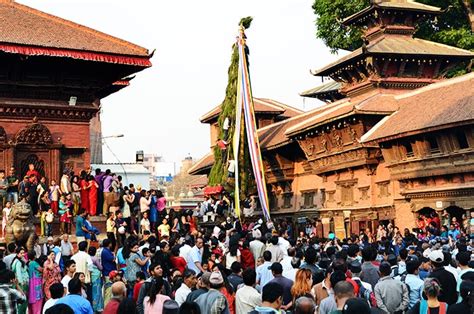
(405,5)
(377,104)
(399,45)
(435,106)
(202,165)
(22,25)
(262,105)
(328,87)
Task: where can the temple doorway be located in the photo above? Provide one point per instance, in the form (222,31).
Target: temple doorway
(458,212)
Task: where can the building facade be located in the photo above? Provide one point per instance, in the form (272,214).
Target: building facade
(53,75)
(394,139)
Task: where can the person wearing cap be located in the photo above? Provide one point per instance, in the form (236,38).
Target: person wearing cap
(446,279)
(356,267)
(391,295)
(247,297)
(213,301)
(189,282)
(286,283)
(202,286)
(413,282)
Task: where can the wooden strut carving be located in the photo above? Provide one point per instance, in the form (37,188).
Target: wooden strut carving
(35,133)
(3,135)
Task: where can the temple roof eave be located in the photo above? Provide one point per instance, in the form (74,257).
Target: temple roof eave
(402,46)
(407,6)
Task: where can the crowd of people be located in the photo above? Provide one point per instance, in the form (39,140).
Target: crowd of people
(158,260)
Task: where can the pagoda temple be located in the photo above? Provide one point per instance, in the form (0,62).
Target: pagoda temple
(53,75)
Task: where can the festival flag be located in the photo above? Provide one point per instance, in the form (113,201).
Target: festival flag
(245,103)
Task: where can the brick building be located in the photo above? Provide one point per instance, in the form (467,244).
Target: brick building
(394,139)
(53,74)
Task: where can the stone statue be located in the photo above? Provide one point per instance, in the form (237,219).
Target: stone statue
(21,228)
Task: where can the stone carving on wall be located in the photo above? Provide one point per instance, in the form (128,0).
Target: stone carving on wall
(35,134)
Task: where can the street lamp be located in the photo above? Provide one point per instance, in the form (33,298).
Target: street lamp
(110,150)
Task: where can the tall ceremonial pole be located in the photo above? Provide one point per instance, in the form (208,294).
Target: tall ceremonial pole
(245,104)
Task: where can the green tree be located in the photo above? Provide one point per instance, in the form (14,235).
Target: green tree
(455,26)
(218,173)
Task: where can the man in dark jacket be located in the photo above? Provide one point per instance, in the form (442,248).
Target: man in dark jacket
(445,278)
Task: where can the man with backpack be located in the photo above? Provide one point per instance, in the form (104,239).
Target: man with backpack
(413,282)
(365,289)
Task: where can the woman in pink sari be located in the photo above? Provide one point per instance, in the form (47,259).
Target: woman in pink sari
(51,274)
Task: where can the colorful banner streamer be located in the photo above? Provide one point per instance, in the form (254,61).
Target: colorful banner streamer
(245,100)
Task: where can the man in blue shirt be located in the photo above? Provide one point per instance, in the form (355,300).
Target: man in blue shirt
(264,272)
(74,299)
(107,258)
(80,227)
(413,282)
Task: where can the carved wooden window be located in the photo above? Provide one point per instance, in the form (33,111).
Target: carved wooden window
(330,196)
(287,198)
(347,195)
(383,189)
(433,144)
(364,193)
(308,199)
(461,139)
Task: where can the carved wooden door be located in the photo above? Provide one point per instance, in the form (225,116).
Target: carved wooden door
(23,159)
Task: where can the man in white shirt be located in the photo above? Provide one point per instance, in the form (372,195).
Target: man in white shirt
(283,243)
(286,261)
(184,250)
(70,269)
(11,247)
(194,258)
(189,282)
(256,246)
(247,297)
(65,184)
(83,261)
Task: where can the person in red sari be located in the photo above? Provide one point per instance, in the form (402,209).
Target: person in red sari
(93,188)
(84,185)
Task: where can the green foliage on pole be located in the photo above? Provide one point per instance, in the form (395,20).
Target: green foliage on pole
(218,174)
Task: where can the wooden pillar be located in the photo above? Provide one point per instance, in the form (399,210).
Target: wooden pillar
(326,226)
(54,171)
(339,227)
